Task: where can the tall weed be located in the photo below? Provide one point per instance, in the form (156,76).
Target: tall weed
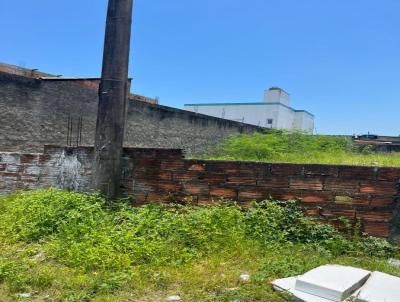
(298,147)
(111,245)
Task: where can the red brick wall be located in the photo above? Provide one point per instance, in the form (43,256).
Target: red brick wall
(368,194)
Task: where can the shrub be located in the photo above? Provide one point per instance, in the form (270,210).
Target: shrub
(276,145)
(284,221)
(82,231)
(33,216)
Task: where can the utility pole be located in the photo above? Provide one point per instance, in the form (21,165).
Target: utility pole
(113,91)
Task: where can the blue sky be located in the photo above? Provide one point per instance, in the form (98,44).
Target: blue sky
(339,59)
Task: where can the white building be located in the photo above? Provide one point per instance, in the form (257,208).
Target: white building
(273,112)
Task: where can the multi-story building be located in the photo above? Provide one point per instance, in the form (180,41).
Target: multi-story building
(273,112)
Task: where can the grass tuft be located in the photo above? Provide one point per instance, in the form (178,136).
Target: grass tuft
(64,246)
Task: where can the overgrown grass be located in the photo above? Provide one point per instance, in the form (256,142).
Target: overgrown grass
(62,246)
(297,147)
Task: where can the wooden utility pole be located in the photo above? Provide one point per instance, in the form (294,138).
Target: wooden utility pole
(113,91)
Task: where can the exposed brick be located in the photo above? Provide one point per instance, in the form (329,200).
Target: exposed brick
(336,212)
(172,165)
(342,186)
(376,216)
(390,174)
(305,196)
(10,174)
(274,182)
(285,194)
(287,169)
(142,187)
(306,184)
(164,175)
(253,193)
(258,169)
(43,158)
(353,172)
(196,188)
(169,186)
(151,174)
(318,197)
(377,229)
(247,179)
(321,170)
(226,166)
(186,176)
(215,178)
(148,162)
(28,158)
(379,187)
(197,168)
(225,192)
(382,201)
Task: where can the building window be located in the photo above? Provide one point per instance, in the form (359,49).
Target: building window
(270,121)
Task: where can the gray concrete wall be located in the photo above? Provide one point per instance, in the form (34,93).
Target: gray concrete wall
(35,112)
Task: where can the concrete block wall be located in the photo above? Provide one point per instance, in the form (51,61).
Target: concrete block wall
(366,194)
(35,112)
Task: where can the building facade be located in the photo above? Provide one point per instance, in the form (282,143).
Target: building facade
(273,112)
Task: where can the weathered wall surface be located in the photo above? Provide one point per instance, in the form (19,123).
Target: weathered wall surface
(367,194)
(64,168)
(35,112)
(156,126)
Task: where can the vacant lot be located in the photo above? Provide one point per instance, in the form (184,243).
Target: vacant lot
(61,246)
(296,147)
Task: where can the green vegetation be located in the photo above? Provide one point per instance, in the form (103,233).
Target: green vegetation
(63,246)
(297,147)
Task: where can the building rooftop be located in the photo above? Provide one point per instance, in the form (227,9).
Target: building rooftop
(278,88)
(86,82)
(249,103)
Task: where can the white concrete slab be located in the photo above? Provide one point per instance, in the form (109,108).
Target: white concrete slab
(380,287)
(288,285)
(332,282)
